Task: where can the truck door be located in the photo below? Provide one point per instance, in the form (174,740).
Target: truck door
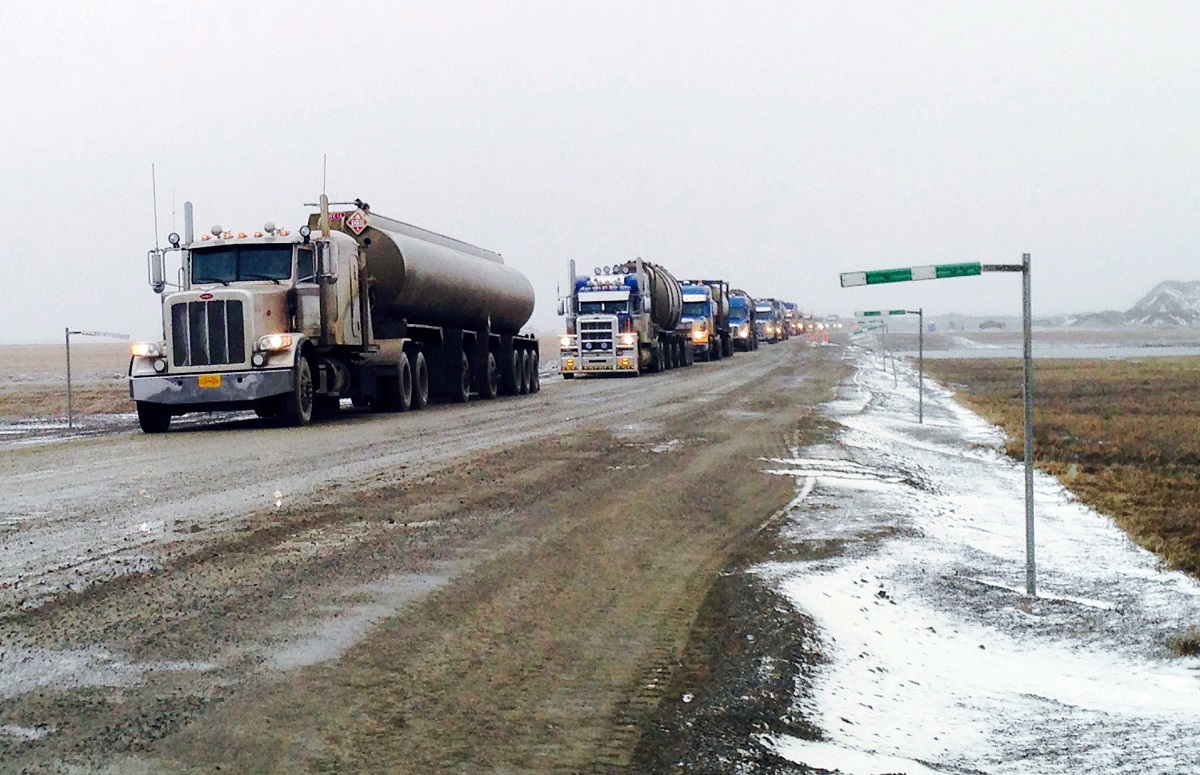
(307,293)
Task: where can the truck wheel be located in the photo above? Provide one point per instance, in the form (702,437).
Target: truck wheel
(404,399)
(420,391)
(511,382)
(154,418)
(523,361)
(535,381)
(727,343)
(462,394)
(490,384)
(297,406)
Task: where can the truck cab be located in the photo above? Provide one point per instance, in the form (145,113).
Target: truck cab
(607,321)
(742,321)
(698,320)
(767,327)
(245,307)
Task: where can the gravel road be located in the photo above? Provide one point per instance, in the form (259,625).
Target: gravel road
(506,584)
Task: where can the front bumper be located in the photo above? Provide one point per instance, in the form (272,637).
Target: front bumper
(232,387)
(596,363)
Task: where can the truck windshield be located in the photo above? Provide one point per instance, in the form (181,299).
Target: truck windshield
(234,263)
(695,309)
(763,311)
(618,307)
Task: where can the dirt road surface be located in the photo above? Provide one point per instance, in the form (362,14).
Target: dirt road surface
(501,587)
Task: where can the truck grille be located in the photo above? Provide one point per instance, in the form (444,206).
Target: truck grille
(208,333)
(597,335)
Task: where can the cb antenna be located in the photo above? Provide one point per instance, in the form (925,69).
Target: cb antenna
(154,197)
(324,171)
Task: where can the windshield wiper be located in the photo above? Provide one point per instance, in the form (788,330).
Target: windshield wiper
(253,276)
(203,280)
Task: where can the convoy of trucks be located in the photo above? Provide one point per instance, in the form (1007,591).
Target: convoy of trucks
(352,305)
(357,307)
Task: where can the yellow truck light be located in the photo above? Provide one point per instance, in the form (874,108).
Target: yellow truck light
(569,364)
(699,336)
(145,350)
(626,363)
(272,342)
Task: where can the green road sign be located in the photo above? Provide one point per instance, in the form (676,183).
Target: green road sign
(876,313)
(929,272)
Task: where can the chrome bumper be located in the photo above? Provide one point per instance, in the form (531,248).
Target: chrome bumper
(235,386)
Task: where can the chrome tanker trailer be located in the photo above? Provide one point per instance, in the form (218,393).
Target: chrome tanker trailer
(351,305)
(622,320)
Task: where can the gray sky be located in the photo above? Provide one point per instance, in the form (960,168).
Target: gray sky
(772,144)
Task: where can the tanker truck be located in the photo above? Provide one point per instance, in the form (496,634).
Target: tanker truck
(706,318)
(768,321)
(622,320)
(741,321)
(352,305)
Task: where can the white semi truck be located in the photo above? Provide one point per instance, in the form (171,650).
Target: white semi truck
(351,305)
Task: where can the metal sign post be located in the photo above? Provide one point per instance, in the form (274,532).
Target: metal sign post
(920,349)
(70,394)
(942,271)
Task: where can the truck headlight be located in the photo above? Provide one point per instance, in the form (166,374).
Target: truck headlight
(567,341)
(272,342)
(628,340)
(145,350)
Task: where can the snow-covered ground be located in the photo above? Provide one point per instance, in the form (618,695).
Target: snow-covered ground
(937,659)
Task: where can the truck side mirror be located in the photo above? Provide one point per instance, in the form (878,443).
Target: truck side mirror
(562,306)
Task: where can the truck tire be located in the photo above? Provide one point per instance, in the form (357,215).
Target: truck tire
(522,357)
(154,418)
(405,386)
(489,384)
(296,407)
(510,381)
(420,391)
(727,343)
(461,393)
(535,380)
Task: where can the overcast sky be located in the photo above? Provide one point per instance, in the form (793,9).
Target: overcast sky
(772,144)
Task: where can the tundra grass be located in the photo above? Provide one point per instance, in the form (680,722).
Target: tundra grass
(1124,436)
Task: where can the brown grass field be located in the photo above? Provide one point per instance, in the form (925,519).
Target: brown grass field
(1123,435)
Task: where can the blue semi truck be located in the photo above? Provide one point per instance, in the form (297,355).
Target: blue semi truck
(623,319)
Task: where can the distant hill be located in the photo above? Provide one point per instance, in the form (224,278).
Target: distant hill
(1170,303)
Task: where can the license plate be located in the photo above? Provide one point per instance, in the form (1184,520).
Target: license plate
(209,381)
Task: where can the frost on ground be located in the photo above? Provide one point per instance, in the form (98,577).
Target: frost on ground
(937,660)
